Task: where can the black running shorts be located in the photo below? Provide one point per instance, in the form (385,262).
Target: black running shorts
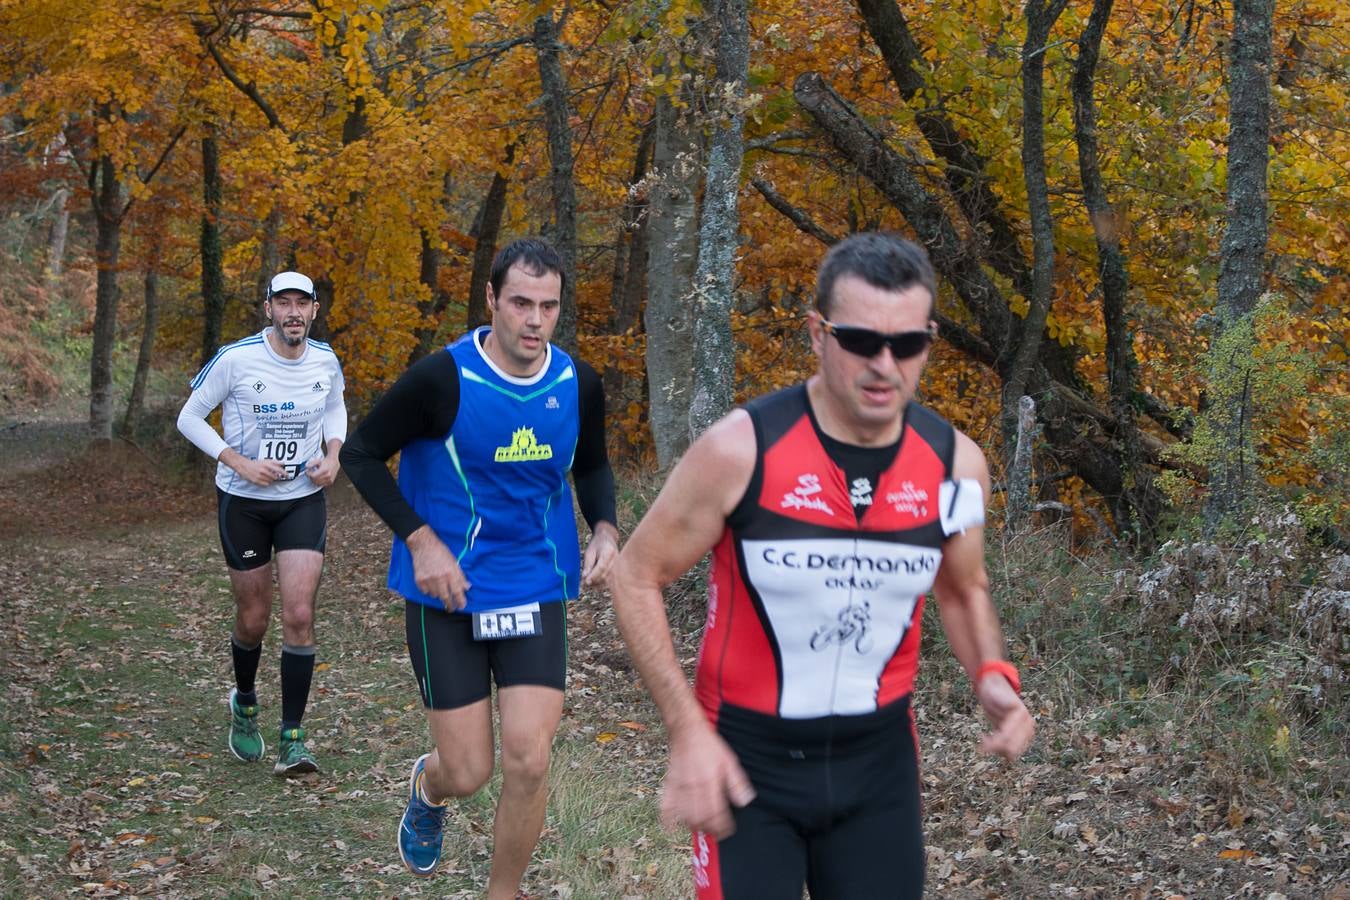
(836,809)
(251,529)
(454,670)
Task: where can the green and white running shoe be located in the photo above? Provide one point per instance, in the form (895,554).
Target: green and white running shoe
(295,758)
(246,742)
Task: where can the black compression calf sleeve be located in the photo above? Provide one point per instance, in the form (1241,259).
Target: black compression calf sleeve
(245,669)
(297,672)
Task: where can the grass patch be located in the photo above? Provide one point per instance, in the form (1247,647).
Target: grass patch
(115,780)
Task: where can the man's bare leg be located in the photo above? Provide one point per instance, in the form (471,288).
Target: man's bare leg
(461,761)
(529,719)
(252,591)
(298,574)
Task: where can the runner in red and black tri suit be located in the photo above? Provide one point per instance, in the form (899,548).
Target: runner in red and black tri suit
(832,508)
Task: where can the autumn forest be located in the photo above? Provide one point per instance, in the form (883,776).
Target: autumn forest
(1139,216)
(1108,192)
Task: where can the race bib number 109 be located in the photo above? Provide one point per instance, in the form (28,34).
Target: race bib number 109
(285,443)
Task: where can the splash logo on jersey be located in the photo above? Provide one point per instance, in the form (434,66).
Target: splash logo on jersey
(803,495)
(524,448)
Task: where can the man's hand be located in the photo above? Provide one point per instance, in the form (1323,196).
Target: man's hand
(261,472)
(601,552)
(703,782)
(323,470)
(435,569)
(1013,725)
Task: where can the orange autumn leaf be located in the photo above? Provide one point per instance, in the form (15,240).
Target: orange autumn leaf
(1236,854)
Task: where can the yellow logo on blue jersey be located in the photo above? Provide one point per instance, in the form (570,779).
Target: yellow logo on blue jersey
(524,448)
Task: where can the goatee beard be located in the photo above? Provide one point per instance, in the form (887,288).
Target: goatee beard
(287,339)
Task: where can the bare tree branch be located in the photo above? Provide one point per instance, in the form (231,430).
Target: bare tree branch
(249,90)
(274,13)
(149,176)
(769,140)
(798,217)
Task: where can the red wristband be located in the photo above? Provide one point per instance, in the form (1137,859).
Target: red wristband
(1001,667)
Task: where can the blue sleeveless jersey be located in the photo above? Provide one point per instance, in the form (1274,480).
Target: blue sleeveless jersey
(495,488)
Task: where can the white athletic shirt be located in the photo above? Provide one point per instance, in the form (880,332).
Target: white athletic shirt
(271,408)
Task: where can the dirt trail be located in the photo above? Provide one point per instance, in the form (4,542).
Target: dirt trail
(90,535)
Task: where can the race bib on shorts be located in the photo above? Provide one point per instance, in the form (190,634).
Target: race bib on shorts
(514,622)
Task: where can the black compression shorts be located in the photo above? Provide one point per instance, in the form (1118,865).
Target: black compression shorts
(836,809)
(251,529)
(454,670)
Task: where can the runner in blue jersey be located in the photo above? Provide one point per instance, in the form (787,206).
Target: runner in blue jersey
(284,418)
(486,550)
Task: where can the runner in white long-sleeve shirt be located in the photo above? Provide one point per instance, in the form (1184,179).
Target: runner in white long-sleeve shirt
(284,420)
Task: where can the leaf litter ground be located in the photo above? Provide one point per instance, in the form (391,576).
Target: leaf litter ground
(115,781)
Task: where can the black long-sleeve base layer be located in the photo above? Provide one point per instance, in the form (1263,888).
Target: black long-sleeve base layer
(423,403)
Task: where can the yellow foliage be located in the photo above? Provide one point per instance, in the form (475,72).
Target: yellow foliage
(442,89)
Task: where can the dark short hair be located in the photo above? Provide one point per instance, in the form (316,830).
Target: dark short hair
(880,258)
(535,255)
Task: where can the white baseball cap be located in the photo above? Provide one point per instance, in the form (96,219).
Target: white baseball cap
(290,281)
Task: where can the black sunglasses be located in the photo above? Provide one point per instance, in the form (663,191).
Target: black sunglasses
(866,342)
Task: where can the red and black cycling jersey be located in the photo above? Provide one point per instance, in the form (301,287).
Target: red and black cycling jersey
(817,584)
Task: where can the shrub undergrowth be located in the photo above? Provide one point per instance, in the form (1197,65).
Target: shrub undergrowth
(1235,650)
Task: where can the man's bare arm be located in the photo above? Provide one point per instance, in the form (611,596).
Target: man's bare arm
(685,521)
(971,621)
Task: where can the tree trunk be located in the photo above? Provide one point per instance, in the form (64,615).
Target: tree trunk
(719,226)
(269,255)
(485,245)
(429,275)
(150,324)
(1040,19)
(433,307)
(629,282)
(1242,252)
(56,237)
(213,275)
(355,127)
(1135,510)
(557,117)
(1019,467)
(630,245)
(957,260)
(108,214)
(672,257)
(994,239)
(964,173)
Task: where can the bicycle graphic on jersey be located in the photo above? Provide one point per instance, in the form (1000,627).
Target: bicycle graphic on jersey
(853,623)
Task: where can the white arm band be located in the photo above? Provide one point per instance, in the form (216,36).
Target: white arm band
(962,505)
